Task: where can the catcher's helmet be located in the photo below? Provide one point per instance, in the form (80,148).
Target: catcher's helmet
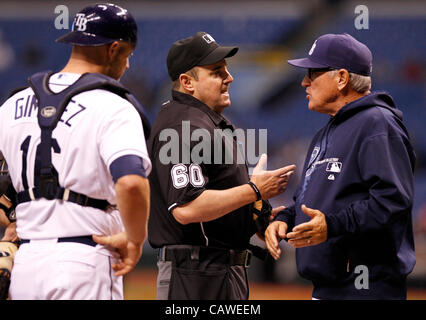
(101,24)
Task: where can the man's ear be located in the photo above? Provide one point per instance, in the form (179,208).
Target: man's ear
(186,82)
(113,49)
(343,79)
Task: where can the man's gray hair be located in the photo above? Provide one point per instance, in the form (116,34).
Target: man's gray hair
(359,83)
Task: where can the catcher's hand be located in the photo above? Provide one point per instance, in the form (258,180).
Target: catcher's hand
(7,254)
(7,211)
(7,200)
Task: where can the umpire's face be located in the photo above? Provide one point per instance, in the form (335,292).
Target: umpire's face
(212,85)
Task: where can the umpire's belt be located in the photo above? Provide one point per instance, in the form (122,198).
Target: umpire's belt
(215,255)
(81,239)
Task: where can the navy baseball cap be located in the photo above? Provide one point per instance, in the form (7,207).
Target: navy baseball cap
(338,51)
(199,50)
(101,24)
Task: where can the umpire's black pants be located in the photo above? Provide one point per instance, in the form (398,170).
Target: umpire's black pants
(202,273)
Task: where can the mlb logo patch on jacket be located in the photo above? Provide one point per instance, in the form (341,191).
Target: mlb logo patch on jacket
(334,166)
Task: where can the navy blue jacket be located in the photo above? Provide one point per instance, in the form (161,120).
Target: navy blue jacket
(359,173)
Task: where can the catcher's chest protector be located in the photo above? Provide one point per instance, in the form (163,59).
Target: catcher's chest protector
(51,106)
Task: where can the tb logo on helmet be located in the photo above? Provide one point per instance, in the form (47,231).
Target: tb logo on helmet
(80,22)
(101,24)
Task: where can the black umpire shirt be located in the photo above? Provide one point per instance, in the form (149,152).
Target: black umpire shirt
(183,169)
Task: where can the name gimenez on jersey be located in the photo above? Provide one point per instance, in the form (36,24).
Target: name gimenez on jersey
(26,107)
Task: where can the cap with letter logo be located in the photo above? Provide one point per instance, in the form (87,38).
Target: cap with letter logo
(338,51)
(199,50)
(101,24)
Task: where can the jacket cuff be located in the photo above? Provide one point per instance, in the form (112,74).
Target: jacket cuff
(333,225)
(285,216)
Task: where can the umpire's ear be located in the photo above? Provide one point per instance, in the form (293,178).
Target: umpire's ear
(186,82)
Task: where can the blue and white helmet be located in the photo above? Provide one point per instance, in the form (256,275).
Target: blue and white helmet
(101,24)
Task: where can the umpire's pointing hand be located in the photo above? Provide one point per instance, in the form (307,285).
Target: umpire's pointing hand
(271,183)
(129,251)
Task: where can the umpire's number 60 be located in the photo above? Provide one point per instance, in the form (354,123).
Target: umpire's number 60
(181,176)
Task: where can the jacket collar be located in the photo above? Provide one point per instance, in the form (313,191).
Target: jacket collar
(373,99)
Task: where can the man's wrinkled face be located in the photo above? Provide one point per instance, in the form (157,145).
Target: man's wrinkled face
(321,90)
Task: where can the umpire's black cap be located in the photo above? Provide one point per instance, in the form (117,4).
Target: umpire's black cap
(101,24)
(199,50)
